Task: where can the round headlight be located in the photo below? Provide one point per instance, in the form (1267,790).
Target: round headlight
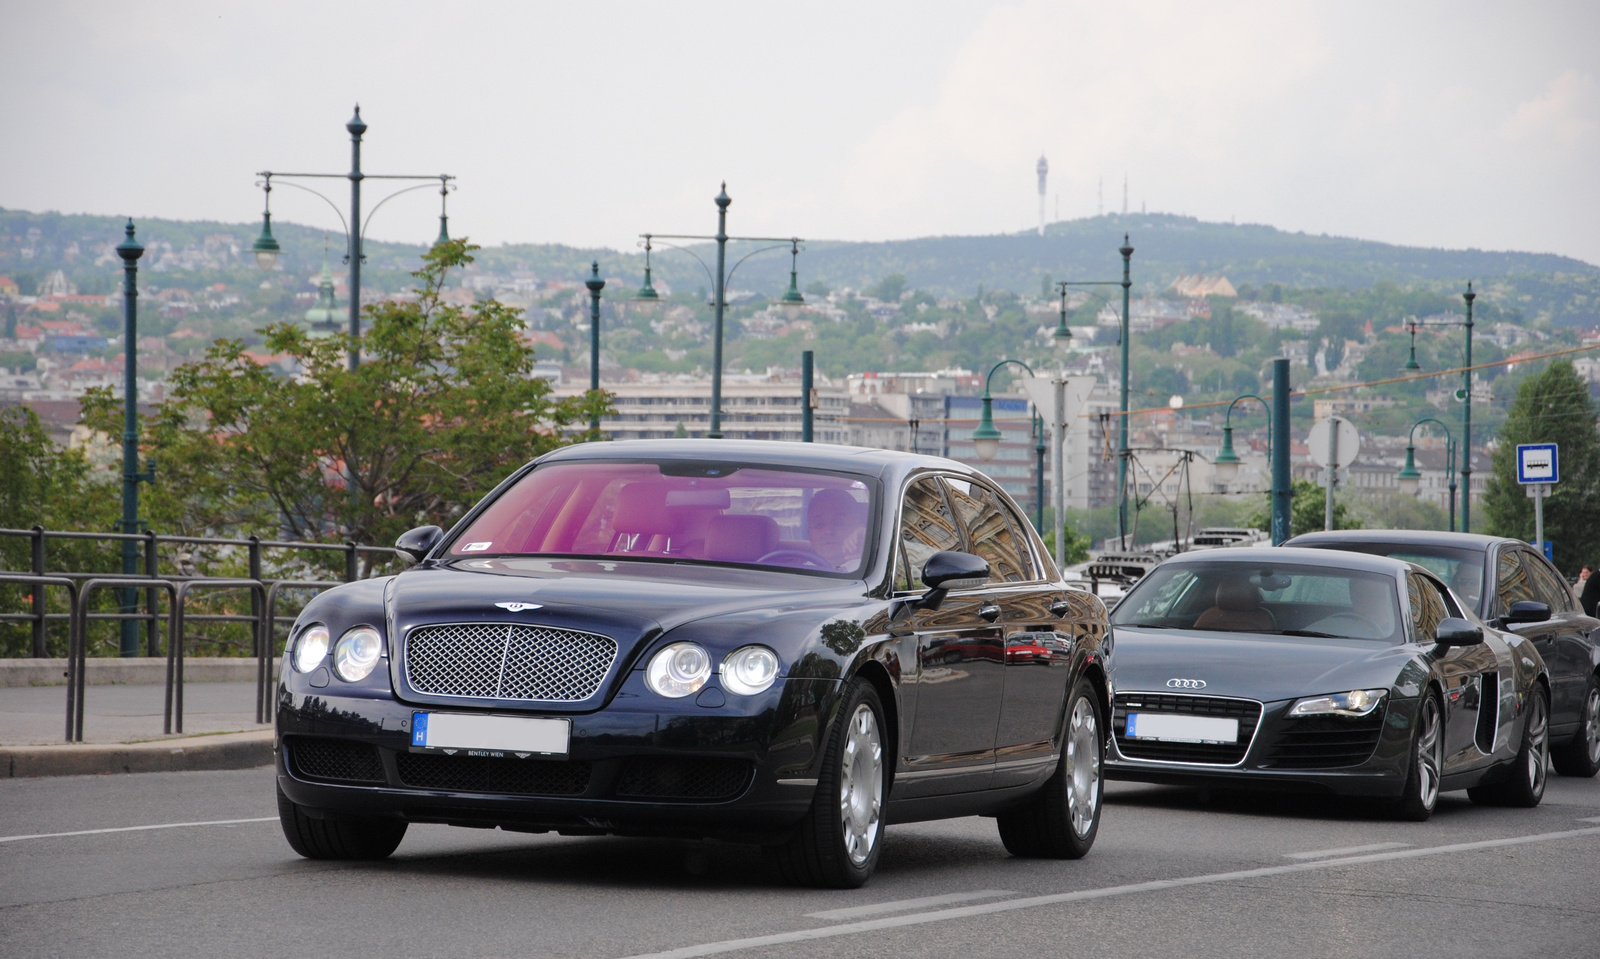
(356,653)
(749,670)
(310,648)
(679,670)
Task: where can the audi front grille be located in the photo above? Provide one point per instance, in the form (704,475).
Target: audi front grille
(508,661)
(1246,711)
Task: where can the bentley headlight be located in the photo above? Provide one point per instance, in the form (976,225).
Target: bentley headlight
(356,653)
(1357,702)
(310,648)
(749,670)
(679,670)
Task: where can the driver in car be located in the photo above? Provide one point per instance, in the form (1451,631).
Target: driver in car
(836,527)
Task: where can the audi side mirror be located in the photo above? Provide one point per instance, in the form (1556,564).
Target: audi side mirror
(419,542)
(1454,631)
(1527,611)
(951,569)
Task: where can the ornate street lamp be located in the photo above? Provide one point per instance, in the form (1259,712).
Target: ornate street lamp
(1063,334)
(130,250)
(1412,365)
(595,285)
(986,438)
(647,299)
(1226,466)
(1464,394)
(1410,477)
(792,302)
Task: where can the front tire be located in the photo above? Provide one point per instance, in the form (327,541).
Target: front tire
(1421,792)
(837,844)
(368,838)
(1061,820)
(1580,756)
(1530,770)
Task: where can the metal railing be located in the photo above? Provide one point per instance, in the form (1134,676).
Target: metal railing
(80,586)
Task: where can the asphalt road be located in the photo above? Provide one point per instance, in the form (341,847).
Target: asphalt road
(1173,874)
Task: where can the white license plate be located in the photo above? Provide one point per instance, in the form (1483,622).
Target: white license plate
(491,735)
(1171,728)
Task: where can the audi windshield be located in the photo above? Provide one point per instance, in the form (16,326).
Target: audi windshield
(1284,600)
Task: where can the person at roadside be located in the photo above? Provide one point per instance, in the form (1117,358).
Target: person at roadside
(1589,596)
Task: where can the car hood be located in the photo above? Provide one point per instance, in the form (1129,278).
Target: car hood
(1252,666)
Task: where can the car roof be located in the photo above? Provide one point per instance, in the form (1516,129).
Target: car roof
(850,459)
(1404,537)
(1280,555)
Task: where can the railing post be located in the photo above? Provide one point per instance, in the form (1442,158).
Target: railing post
(152,566)
(40,632)
(255,605)
(351,562)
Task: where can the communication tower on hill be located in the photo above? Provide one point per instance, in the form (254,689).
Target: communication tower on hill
(1044,170)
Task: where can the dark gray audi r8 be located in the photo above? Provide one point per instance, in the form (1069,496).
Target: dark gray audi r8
(1514,588)
(1324,670)
(779,643)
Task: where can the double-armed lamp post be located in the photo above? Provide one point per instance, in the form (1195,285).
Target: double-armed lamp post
(1464,394)
(792,300)
(266,246)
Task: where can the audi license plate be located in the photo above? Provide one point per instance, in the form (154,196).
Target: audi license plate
(1171,728)
(520,736)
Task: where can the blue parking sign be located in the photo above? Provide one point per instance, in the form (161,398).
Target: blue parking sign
(1538,463)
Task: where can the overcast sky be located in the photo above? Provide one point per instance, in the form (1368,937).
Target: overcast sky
(1440,124)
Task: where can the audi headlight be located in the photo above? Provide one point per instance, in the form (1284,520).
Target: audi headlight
(749,670)
(310,648)
(1357,702)
(679,670)
(356,653)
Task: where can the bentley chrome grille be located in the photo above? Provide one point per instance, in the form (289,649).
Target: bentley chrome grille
(508,661)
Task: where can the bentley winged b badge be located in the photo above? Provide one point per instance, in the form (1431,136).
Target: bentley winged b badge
(519,607)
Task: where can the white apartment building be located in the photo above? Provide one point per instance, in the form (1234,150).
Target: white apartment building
(753,408)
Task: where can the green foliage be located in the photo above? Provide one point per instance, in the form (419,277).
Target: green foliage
(1384,510)
(1552,407)
(443,405)
(1307,510)
(889,288)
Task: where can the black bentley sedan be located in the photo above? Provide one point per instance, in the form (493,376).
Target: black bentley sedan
(1511,586)
(1324,670)
(780,643)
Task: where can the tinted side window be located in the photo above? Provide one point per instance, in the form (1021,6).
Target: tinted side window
(991,531)
(1427,607)
(1512,582)
(1548,585)
(926,527)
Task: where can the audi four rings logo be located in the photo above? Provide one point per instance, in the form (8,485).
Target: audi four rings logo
(1186,684)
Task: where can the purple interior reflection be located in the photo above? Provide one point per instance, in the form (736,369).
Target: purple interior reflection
(723,513)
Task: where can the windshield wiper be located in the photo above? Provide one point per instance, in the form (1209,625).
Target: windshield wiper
(1312,632)
(1148,625)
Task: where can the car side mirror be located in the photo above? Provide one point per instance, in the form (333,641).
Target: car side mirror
(1454,631)
(1527,611)
(950,569)
(419,542)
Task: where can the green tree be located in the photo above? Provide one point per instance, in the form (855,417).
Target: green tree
(1307,510)
(1551,407)
(443,405)
(889,288)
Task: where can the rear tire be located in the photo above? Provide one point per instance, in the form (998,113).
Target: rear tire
(1580,756)
(367,838)
(1061,820)
(1421,792)
(1531,769)
(837,844)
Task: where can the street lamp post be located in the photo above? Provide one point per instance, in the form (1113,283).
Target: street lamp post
(1038,474)
(1063,334)
(1226,465)
(986,438)
(266,247)
(595,285)
(792,300)
(1411,479)
(1465,394)
(130,250)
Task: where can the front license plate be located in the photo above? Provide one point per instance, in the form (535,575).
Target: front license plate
(490,735)
(1171,728)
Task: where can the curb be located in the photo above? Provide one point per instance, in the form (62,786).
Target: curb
(228,751)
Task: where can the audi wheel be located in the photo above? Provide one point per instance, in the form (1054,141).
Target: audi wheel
(1529,772)
(1421,792)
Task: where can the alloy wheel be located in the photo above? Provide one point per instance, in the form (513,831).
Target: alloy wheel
(1429,749)
(1591,725)
(861,784)
(1538,739)
(1083,766)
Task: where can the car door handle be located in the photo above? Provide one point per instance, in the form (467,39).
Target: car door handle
(1060,608)
(990,613)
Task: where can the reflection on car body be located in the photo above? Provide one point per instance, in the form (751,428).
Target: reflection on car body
(780,643)
(1317,669)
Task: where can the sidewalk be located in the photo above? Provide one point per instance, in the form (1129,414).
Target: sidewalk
(122,730)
